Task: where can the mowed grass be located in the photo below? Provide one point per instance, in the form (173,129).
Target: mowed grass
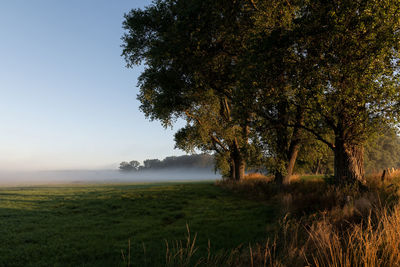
(90,225)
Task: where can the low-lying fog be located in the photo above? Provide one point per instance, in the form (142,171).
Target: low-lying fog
(104,176)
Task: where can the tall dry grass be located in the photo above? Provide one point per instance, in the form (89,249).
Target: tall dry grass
(374,242)
(332,226)
(181,253)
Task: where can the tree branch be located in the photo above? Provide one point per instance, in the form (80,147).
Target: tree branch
(254,4)
(216,147)
(214,139)
(317,135)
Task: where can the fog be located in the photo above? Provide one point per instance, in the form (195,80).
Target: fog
(12,178)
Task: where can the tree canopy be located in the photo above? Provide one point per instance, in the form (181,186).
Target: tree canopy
(256,79)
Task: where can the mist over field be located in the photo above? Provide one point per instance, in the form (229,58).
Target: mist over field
(104,176)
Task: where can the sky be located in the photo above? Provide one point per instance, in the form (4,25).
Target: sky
(67,101)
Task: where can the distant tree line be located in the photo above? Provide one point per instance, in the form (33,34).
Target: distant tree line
(281,84)
(195,161)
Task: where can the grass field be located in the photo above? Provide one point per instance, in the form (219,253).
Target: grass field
(90,225)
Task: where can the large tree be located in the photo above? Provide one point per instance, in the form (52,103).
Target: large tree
(190,49)
(352,48)
(277,75)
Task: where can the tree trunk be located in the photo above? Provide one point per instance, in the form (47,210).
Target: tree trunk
(238,163)
(278,177)
(232,170)
(317,167)
(282,141)
(294,146)
(349,163)
(293,152)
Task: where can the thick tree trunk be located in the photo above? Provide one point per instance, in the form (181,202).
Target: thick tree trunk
(278,177)
(232,170)
(349,163)
(240,165)
(240,170)
(237,164)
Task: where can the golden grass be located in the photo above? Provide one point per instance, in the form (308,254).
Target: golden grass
(342,226)
(294,178)
(374,242)
(395,173)
(390,176)
(268,178)
(257,176)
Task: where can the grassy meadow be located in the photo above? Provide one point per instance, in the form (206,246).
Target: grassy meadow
(90,225)
(253,222)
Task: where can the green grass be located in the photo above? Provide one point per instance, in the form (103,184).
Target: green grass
(89,225)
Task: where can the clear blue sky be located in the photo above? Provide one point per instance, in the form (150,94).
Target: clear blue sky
(66,99)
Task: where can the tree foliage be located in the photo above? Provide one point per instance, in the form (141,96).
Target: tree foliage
(383,152)
(190,49)
(255,79)
(353,48)
(126,166)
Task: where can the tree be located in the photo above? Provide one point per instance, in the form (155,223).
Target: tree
(129,166)
(338,70)
(352,50)
(196,53)
(189,49)
(276,76)
(152,164)
(135,165)
(125,166)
